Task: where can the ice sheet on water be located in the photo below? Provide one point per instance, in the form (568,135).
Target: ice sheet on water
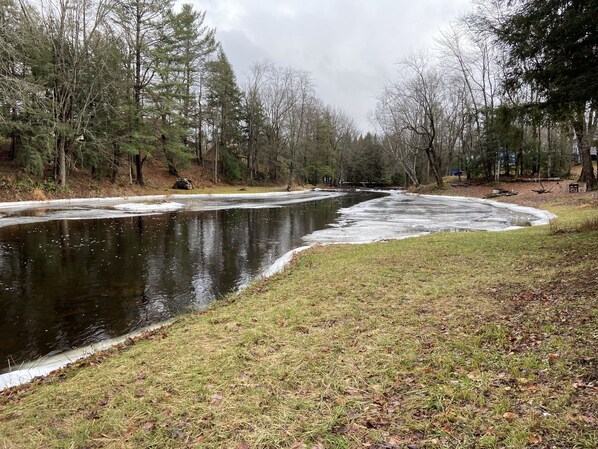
(394,216)
(401,215)
(97,208)
(46,365)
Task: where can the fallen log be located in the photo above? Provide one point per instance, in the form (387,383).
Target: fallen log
(532,180)
(496,194)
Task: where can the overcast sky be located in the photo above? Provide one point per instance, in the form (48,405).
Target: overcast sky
(350,47)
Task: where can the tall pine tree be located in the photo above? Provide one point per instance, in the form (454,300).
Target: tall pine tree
(553,47)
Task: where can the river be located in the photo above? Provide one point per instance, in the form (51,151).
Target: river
(76,273)
(67,282)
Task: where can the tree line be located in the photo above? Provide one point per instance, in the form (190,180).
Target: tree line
(509,90)
(102,85)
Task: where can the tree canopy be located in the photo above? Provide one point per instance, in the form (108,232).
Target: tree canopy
(553,46)
(104,85)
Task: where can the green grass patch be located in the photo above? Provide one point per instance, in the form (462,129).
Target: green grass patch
(451,340)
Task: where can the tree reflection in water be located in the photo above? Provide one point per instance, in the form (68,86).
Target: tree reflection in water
(69,283)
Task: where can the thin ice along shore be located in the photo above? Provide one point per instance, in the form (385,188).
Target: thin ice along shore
(383,216)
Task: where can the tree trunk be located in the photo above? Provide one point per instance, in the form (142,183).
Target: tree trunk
(549,159)
(291,174)
(250,145)
(137,91)
(131,166)
(583,145)
(139,169)
(199,151)
(304,168)
(115,164)
(434,164)
(216,149)
(15,138)
(15,144)
(61,161)
(172,170)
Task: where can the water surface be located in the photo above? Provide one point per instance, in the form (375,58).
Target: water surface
(72,275)
(66,283)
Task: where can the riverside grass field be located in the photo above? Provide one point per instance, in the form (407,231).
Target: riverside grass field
(449,340)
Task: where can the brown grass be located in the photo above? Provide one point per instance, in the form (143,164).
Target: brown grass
(452,340)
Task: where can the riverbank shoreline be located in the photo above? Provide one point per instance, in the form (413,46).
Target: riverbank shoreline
(139,199)
(433,348)
(359,227)
(524,193)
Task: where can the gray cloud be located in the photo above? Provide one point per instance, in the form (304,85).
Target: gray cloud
(350,47)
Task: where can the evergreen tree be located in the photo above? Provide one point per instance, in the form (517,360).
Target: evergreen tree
(194,44)
(141,23)
(183,50)
(553,47)
(224,105)
(16,90)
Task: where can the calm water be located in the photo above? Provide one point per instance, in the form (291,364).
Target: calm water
(69,283)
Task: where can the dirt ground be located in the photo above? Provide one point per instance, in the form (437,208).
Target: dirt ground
(526,192)
(16,185)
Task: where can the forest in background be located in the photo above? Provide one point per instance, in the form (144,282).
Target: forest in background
(100,86)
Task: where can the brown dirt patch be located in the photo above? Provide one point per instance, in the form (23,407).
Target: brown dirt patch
(16,185)
(526,195)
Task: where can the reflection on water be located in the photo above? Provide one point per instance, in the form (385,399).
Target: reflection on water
(69,283)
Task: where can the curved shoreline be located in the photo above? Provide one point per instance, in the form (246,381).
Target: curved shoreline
(48,364)
(45,366)
(543,215)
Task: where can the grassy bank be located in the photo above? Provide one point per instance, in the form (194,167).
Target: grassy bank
(451,340)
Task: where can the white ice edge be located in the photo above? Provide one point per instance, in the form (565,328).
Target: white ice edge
(110,208)
(116,199)
(543,218)
(46,365)
(280,263)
